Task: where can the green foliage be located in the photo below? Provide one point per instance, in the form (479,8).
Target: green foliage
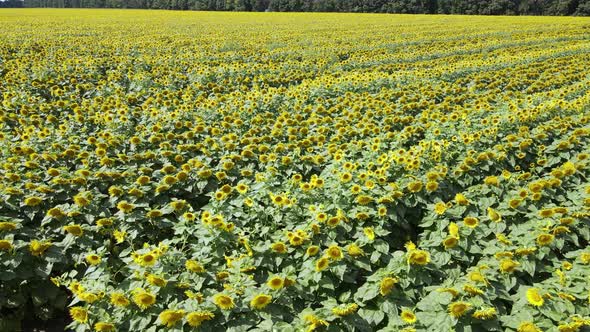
(469,7)
(289,172)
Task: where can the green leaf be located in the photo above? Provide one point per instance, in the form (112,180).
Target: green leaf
(372,316)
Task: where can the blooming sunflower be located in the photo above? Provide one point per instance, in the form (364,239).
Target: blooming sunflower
(418,257)
(104,327)
(279,247)
(508,265)
(494,215)
(408,316)
(369,233)
(534,298)
(224,302)
(275,282)
(334,252)
(125,206)
(93,259)
(170,317)
(528,327)
(470,222)
(345,310)
(196,318)
(322,264)
(440,208)
(458,309)
(545,239)
(387,284)
(260,301)
(194,266)
(38,248)
(119,299)
(79,314)
(484,314)
(6,245)
(144,299)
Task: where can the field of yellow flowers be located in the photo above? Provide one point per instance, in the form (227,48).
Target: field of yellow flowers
(171,171)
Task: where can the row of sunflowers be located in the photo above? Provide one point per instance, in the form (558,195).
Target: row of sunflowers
(173,171)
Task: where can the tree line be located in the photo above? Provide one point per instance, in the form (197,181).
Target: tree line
(472,7)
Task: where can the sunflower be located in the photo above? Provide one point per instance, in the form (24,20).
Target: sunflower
(125,206)
(315,322)
(418,257)
(104,327)
(364,199)
(260,301)
(546,213)
(461,199)
(143,299)
(528,327)
(75,230)
(387,284)
(170,317)
(494,215)
(7,226)
(450,242)
(508,265)
(242,188)
(38,248)
(514,203)
(79,314)
(477,276)
(408,316)
(148,259)
(484,314)
(33,201)
(321,264)
(119,299)
(545,239)
(275,282)
(279,247)
(415,186)
(472,290)
(321,217)
(334,253)
(6,245)
(491,181)
(534,298)
(83,198)
(449,290)
(224,302)
(56,213)
(196,318)
(345,310)
(194,266)
(119,236)
(104,222)
(345,177)
(440,208)
(93,259)
(333,222)
(458,309)
(369,233)
(354,250)
(312,250)
(355,189)
(143,180)
(152,214)
(156,280)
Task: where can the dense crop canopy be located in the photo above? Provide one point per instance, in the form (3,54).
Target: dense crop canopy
(295,172)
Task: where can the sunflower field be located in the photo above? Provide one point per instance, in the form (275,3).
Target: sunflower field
(180,171)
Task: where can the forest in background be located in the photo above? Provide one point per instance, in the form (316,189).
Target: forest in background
(469,7)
